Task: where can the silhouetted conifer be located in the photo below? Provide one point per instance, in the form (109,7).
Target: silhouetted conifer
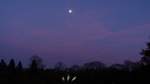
(3,65)
(34,65)
(19,66)
(11,65)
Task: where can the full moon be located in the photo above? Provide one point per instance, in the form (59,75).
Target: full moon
(70,11)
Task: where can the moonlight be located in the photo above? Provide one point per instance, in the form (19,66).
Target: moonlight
(70,11)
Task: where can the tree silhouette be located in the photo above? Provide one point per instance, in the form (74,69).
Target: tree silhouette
(146,55)
(94,72)
(36,63)
(11,65)
(19,66)
(94,65)
(3,65)
(60,66)
(131,65)
(115,74)
(118,66)
(75,67)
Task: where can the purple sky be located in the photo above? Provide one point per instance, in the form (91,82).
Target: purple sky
(109,31)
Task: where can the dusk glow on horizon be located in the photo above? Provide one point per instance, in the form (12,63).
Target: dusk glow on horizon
(110,31)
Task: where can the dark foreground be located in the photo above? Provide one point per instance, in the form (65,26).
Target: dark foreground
(81,76)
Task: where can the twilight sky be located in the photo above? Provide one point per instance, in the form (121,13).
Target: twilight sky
(109,31)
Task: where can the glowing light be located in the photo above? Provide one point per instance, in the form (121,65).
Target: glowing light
(70,11)
(74,78)
(68,78)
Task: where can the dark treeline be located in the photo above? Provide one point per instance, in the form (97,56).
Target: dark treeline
(89,73)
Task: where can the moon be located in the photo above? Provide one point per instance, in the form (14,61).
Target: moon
(70,11)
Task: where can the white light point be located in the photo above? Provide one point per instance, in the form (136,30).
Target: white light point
(70,11)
